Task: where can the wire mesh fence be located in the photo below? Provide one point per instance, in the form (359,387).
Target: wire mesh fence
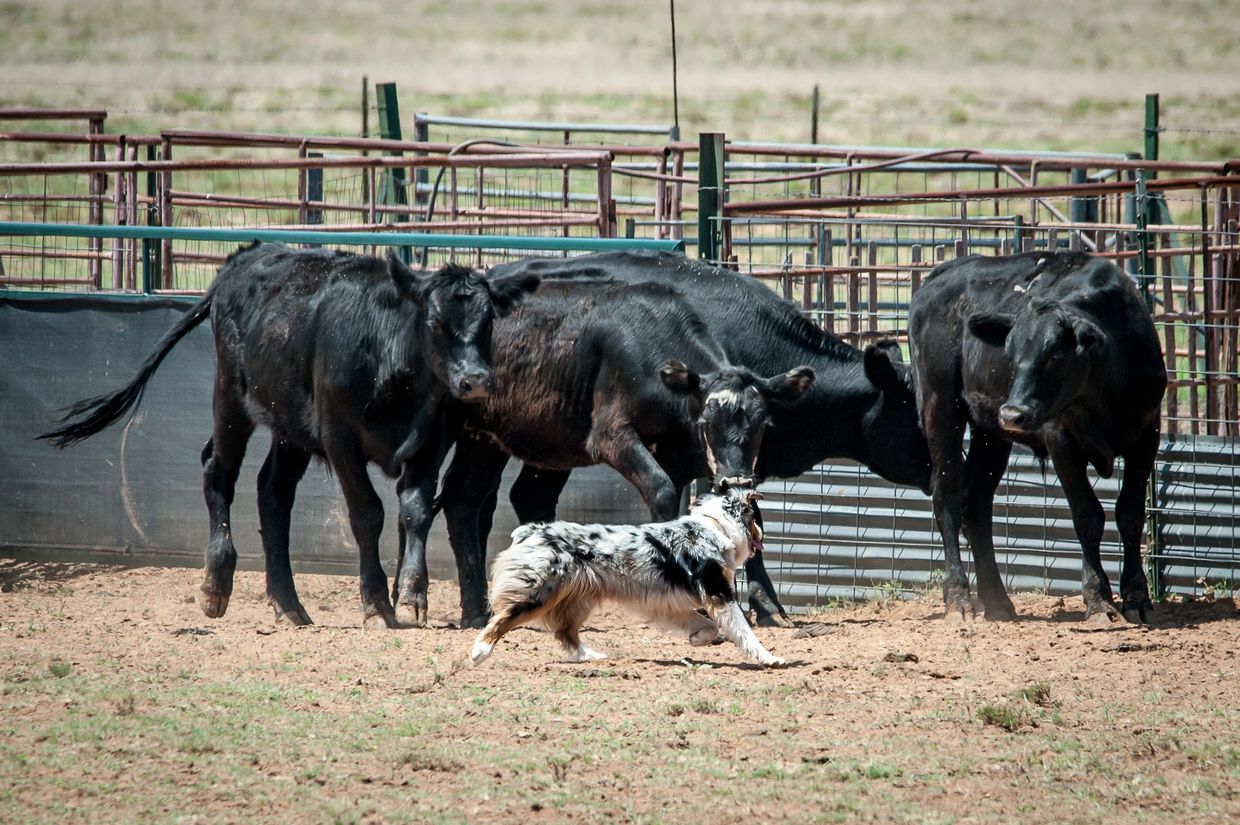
(847,233)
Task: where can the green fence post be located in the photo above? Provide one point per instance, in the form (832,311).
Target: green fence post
(421,175)
(1151,130)
(393,191)
(710,194)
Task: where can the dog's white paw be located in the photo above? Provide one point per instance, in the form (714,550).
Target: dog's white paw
(704,636)
(480,652)
(585,654)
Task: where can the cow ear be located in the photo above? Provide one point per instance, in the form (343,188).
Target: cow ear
(892,347)
(408,283)
(678,378)
(881,368)
(990,327)
(508,290)
(789,387)
(1088,336)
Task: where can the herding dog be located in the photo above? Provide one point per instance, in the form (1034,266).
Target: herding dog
(559,572)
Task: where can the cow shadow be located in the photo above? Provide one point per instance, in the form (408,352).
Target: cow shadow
(1167,615)
(27,574)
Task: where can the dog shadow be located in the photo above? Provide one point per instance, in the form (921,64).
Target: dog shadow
(686,662)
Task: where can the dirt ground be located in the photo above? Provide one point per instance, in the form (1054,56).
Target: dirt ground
(121,702)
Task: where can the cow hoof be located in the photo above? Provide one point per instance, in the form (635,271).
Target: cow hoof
(1003,612)
(380,621)
(774,620)
(959,614)
(475,620)
(212,602)
(1139,612)
(411,615)
(296,616)
(1100,612)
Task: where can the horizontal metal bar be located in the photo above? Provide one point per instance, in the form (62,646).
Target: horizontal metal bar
(542,125)
(540,160)
(53,114)
(183,233)
(798,148)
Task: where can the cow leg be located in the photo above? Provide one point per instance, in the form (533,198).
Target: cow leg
(944,425)
(416,494)
(1134,589)
(984,466)
(277,489)
(535,493)
(366,521)
(221,463)
(469,496)
(630,458)
(1089,519)
(763,599)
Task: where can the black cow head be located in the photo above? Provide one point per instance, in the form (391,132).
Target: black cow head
(731,408)
(458,307)
(895,446)
(1051,346)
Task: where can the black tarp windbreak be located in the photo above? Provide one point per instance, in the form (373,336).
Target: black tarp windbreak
(134,491)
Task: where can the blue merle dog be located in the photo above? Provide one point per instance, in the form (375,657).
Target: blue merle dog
(560,572)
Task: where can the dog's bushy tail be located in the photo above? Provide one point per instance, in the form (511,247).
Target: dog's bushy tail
(524,532)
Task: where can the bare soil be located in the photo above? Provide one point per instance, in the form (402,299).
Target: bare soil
(121,702)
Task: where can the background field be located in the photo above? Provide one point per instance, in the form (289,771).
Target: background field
(1001,73)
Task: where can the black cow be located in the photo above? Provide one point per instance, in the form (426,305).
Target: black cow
(1054,351)
(621,374)
(861,406)
(345,357)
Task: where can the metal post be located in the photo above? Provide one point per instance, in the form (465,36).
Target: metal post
(365,131)
(813,117)
(150,250)
(393,189)
(314,194)
(421,175)
(710,199)
(1151,130)
(1144,261)
(98,183)
(165,218)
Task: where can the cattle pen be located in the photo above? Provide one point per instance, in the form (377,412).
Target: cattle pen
(107,232)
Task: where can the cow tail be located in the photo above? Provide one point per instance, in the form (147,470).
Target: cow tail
(94,414)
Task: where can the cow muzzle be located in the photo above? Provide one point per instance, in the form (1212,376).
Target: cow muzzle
(474,386)
(1017,419)
(723,482)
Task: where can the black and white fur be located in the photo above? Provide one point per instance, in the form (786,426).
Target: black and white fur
(560,572)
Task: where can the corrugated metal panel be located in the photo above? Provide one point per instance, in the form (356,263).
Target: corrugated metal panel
(840,531)
(1198,516)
